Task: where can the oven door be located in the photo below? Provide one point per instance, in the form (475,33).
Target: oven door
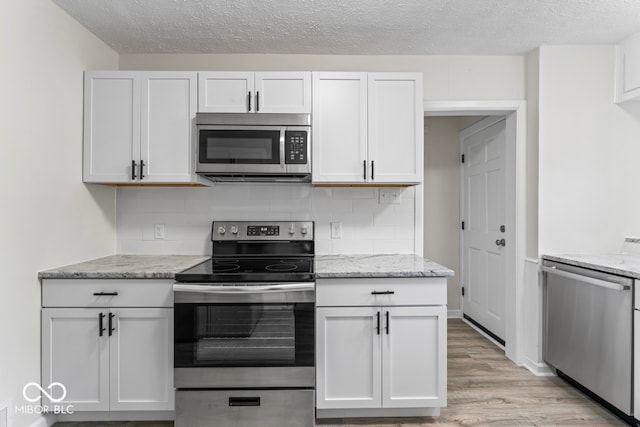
(244,336)
(240,149)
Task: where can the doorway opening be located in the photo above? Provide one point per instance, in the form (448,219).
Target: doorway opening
(473,112)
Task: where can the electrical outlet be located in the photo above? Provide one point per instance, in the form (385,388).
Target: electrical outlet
(336,230)
(158,231)
(389,196)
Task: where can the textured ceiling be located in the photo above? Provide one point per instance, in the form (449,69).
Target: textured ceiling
(410,27)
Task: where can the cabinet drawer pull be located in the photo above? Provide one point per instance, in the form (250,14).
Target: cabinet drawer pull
(388,324)
(249,101)
(141,169)
(133,170)
(378,325)
(257,101)
(364,170)
(101,328)
(111,328)
(244,401)
(105,294)
(372,171)
(382,292)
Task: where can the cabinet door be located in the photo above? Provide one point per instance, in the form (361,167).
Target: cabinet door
(141,351)
(111,125)
(75,355)
(628,69)
(226,92)
(168,109)
(414,357)
(339,138)
(283,92)
(348,372)
(396,127)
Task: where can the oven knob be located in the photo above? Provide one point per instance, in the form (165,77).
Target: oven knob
(222,230)
(234,229)
(304,230)
(292,229)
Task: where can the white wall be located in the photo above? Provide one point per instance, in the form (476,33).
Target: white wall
(367,226)
(49,218)
(588,153)
(445,77)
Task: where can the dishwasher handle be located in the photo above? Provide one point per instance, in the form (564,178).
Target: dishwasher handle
(586,279)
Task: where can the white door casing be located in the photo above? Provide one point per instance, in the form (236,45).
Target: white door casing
(483,206)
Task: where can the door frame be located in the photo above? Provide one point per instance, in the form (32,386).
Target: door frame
(515,193)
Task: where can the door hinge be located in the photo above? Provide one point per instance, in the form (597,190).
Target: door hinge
(463,291)
(463,225)
(462,158)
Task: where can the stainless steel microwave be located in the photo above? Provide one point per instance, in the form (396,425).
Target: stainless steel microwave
(258,147)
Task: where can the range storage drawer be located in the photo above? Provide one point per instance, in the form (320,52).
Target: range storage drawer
(107,293)
(245,408)
(381,291)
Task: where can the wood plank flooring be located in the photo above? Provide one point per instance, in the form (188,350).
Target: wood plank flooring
(484,389)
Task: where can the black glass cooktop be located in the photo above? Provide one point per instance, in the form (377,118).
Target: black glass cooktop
(263,269)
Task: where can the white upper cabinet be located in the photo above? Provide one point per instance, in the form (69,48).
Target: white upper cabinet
(138,127)
(367,128)
(628,69)
(339,129)
(249,92)
(396,127)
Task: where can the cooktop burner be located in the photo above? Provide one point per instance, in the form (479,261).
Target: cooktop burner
(250,270)
(254,252)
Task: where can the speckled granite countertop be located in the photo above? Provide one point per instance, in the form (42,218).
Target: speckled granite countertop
(620,264)
(125,267)
(334,266)
(327,266)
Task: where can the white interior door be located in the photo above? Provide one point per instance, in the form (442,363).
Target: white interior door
(485,236)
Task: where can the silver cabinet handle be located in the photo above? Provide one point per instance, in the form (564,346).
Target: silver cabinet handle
(586,279)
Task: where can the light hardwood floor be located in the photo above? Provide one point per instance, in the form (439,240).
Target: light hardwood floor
(484,389)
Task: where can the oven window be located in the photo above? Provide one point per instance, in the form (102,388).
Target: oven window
(257,335)
(240,146)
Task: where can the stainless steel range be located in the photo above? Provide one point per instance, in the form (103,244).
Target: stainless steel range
(244,328)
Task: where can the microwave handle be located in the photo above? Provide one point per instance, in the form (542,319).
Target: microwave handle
(282,145)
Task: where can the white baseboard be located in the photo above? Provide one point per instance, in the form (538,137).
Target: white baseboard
(539,369)
(42,421)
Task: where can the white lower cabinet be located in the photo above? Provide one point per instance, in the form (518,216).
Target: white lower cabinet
(109,358)
(384,356)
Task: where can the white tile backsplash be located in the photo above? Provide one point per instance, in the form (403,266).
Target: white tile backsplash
(367,226)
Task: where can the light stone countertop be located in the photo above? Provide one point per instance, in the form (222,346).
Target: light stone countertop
(395,265)
(621,264)
(126,267)
(166,266)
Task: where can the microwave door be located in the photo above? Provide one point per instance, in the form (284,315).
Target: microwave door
(223,149)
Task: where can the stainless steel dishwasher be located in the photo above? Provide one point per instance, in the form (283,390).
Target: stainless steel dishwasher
(588,333)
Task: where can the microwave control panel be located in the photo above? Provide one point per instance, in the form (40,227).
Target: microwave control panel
(295,147)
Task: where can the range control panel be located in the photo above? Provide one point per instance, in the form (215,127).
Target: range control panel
(272,230)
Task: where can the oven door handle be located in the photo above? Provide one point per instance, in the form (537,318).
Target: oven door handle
(213,289)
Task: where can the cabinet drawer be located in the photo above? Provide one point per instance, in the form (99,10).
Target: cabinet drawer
(381,291)
(107,293)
